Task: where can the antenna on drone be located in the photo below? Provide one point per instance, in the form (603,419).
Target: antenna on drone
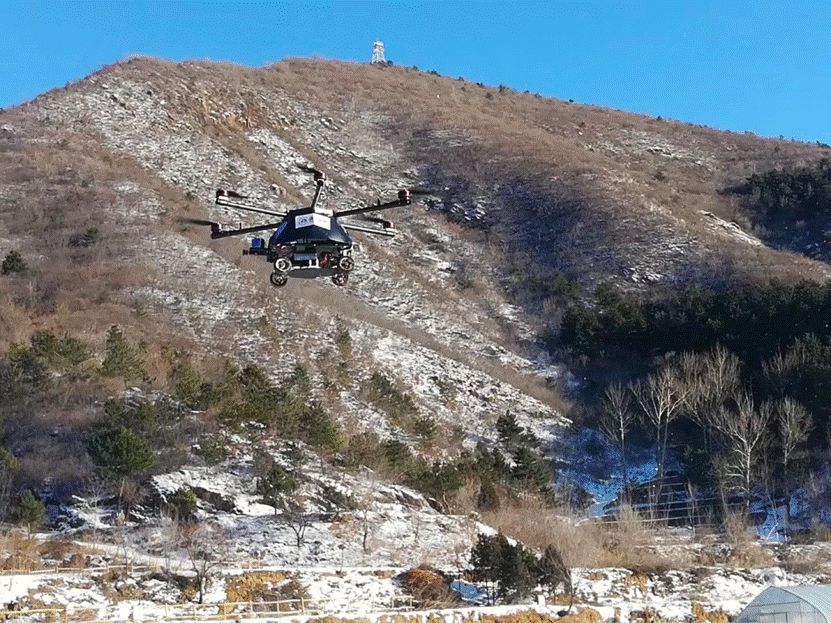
(378,53)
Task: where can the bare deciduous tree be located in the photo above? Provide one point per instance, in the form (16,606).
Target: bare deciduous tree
(366,501)
(96,489)
(779,367)
(795,425)
(297,519)
(714,378)
(661,398)
(205,546)
(618,417)
(744,429)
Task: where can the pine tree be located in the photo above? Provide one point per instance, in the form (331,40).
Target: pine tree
(8,469)
(26,371)
(122,358)
(529,469)
(189,387)
(343,340)
(508,429)
(183,503)
(553,572)
(275,485)
(488,498)
(486,557)
(13,263)
(516,576)
(120,452)
(319,428)
(513,568)
(30,511)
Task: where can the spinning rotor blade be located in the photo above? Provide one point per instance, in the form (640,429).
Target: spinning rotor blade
(222,199)
(385,223)
(218,233)
(318,174)
(404,199)
(231,194)
(424,192)
(216,228)
(198,221)
(388,233)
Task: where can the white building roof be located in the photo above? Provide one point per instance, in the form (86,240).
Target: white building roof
(817,597)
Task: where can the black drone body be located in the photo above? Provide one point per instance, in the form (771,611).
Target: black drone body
(306,242)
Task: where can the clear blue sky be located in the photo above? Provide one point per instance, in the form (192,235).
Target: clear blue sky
(761,65)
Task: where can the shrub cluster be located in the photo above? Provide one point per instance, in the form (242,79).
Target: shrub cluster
(401,407)
(27,369)
(516,570)
(802,193)
(440,479)
(123,440)
(122,359)
(385,395)
(779,331)
(751,321)
(248,395)
(13,263)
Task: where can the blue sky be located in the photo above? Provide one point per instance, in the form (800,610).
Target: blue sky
(763,66)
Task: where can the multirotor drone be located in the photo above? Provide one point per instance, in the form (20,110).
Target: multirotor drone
(307,242)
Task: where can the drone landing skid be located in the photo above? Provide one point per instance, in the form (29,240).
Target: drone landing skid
(279,279)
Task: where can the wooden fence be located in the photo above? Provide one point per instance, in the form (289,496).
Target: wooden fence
(58,569)
(231,610)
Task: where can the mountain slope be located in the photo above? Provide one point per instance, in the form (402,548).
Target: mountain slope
(536,196)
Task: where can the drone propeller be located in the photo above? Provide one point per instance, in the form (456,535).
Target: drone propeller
(386,232)
(216,228)
(231,194)
(318,174)
(223,200)
(197,221)
(423,192)
(404,199)
(305,167)
(385,223)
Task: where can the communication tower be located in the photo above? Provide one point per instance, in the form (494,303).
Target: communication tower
(378,53)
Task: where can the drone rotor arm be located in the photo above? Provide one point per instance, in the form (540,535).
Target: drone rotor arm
(388,232)
(404,199)
(244,230)
(234,205)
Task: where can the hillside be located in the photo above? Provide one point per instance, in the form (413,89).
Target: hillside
(440,332)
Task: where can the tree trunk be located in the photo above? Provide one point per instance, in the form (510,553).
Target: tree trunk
(625,463)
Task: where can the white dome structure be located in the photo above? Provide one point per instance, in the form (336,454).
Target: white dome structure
(789,604)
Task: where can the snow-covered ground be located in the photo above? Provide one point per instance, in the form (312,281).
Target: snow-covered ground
(614,593)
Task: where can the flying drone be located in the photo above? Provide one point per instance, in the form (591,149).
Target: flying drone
(307,242)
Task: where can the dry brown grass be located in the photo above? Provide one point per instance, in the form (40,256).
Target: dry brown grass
(252,586)
(745,548)
(629,542)
(19,551)
(428,588)
(581,615)
(647,615)
(701,615)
